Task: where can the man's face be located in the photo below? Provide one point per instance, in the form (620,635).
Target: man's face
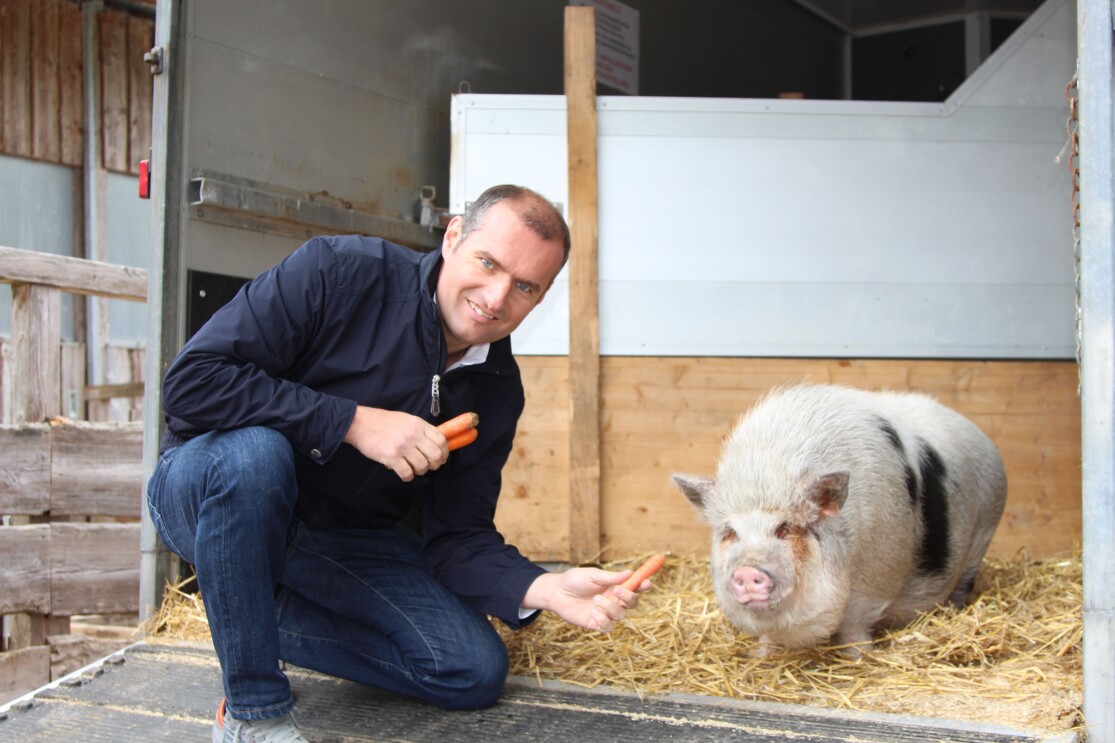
(492,279)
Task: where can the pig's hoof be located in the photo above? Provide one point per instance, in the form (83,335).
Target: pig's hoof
(763,649)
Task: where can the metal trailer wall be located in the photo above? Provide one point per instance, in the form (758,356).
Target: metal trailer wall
(814,228)
(1096,70)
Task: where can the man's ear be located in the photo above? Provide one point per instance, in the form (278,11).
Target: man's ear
(452,234)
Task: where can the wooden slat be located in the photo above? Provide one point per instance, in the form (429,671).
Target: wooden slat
(15,77)
(36,336)
(94,568)
(97,469)
(46,141)
(114,89)
(69,84)
(22,671)
(584,329)
(25,469)
(25,569)
(74,275)
(141,37)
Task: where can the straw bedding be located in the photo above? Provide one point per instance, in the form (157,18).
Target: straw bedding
(1013,656)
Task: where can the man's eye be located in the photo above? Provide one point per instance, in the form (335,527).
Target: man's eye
(523,287)
(486,263)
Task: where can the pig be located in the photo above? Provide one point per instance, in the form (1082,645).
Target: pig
(836,511)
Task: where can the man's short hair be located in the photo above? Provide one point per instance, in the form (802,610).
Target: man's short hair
(532,208)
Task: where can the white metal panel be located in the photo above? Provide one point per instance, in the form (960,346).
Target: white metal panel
(807,228)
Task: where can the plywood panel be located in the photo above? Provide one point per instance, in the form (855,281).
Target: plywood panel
(534,501)
(665,415)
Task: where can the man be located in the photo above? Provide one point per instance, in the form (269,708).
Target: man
(301,433)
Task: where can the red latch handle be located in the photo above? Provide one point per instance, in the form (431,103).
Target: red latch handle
(144,179)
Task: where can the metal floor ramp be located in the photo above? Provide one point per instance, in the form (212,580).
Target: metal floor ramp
(156,692)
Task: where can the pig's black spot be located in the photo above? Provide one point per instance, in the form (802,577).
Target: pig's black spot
(892,434)
(896,441)
(911,483)
(934,553)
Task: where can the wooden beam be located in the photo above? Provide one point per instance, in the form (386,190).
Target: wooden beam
(97,469)
(35,369)
(25,469)
(584,310)
(94,568)
(74,275)
(25,569)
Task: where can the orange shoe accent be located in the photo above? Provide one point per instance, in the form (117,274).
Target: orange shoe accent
(221,715)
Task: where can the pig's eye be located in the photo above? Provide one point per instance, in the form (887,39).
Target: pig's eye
(728,535)
(786,529)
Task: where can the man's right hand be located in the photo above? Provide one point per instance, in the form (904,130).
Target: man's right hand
(404,443)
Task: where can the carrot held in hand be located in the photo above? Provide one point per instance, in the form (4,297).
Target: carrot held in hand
(461,430)
(463,439)
(644,571)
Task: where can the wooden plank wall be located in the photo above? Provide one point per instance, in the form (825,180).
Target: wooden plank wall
(41,83)
(71,493)
(665,415)
(51,570)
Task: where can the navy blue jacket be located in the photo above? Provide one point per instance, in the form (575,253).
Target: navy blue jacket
(352,320)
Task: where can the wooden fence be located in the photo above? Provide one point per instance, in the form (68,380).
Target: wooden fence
(70,491)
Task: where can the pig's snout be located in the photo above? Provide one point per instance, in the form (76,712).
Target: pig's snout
(752,586)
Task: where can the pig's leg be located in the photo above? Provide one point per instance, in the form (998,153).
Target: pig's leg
(963,591)
(765,647)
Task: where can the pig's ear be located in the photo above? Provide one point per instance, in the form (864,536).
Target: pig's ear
(696,489)
(829,492)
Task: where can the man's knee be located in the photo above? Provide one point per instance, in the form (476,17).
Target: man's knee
(478,683)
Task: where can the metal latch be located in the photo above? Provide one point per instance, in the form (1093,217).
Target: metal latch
(154,59)
(432,216)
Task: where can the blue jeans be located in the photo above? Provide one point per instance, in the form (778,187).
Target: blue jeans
(356,604)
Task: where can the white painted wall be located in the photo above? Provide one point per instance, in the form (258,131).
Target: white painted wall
(814,228)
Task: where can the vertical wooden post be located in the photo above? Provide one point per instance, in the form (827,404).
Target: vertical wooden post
(584,325)
(35,378)
(36,337)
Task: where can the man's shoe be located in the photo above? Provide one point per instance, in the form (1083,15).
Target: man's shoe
(227,729)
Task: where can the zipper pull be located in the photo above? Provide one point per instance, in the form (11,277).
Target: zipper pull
(435,396)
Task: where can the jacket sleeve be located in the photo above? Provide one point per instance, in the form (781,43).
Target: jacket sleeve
(230,374)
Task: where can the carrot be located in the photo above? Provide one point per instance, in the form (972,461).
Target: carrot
(460,424)
(644,571)
(463,439)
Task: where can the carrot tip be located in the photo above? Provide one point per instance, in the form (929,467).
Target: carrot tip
(653,564)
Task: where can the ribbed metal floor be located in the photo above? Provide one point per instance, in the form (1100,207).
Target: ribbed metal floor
(169,693)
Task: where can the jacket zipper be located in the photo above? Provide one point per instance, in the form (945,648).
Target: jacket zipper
(435,396)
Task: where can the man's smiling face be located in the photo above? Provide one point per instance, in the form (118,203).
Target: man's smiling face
(493,278)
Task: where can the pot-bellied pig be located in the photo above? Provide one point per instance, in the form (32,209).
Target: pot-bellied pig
(836,510)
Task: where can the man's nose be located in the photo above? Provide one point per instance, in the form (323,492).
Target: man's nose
(497,293)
